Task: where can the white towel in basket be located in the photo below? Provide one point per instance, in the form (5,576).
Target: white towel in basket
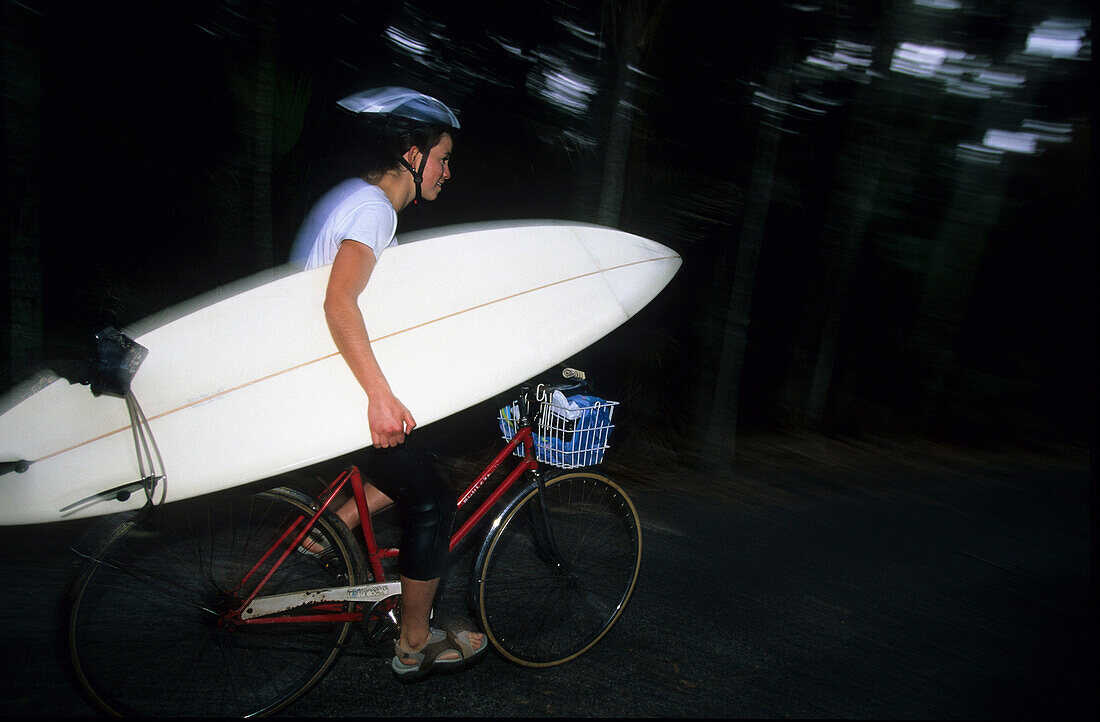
(563,406)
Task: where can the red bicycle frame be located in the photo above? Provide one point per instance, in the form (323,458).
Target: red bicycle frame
(375,555)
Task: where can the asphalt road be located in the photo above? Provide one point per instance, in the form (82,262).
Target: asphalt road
(819,581)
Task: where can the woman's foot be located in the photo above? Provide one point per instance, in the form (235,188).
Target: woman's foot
(444,651)
(314,545)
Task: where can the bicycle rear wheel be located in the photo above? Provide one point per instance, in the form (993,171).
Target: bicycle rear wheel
(544,602)
(147,630)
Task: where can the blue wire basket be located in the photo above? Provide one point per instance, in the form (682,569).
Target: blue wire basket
(569,436)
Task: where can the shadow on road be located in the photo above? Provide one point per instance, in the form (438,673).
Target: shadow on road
(819,578)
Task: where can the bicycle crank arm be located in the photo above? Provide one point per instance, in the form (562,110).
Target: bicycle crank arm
(263,606)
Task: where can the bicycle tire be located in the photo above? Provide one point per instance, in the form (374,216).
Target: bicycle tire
(538,612)
(145,635)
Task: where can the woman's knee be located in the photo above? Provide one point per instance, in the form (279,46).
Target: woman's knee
(430,508)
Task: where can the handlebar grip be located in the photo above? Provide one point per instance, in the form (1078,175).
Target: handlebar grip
(573,374)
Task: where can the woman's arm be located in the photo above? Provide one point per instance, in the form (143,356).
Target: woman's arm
(388,418)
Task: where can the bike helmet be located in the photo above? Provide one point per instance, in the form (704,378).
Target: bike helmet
(403,103)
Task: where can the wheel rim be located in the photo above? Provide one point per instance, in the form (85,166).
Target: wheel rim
(151,627)
(541,614)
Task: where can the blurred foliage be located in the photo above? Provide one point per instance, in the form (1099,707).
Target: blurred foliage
(926,260)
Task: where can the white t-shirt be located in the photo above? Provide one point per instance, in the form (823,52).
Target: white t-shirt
(354,210)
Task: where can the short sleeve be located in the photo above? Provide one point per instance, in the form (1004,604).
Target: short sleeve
(372,224)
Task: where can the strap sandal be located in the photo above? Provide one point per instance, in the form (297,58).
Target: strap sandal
(320,545)
(427,659)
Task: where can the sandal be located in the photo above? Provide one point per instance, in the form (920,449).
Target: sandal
(318,540)
(427,659)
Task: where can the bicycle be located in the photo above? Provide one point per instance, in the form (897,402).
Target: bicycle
(207,606)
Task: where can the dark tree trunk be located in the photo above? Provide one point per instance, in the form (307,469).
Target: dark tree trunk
(720,437)
(22,218)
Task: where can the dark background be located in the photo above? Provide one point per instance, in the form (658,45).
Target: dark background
(887,326)
(855,261)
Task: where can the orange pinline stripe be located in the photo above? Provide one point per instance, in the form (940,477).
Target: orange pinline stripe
(189,405)
(337,353)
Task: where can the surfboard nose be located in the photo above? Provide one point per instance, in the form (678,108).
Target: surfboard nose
(636,269)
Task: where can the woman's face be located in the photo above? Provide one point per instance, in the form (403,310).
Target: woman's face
(437,170)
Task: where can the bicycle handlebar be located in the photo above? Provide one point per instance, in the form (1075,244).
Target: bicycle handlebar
(542,392)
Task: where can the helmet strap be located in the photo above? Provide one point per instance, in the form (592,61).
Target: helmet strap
(418,175)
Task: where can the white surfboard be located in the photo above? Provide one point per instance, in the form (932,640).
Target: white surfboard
(251,385)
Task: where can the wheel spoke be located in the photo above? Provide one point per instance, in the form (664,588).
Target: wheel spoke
(150,627)
(540,613)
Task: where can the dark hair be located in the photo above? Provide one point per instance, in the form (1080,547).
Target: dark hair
(373,145)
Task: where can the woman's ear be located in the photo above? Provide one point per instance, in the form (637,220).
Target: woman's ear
(412,155)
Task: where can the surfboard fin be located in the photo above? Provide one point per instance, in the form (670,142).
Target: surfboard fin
(17,466)
(119,493)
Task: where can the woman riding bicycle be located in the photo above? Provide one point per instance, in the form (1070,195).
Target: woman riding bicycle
(401,152)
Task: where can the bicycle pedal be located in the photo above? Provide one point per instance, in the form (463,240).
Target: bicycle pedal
(382,622)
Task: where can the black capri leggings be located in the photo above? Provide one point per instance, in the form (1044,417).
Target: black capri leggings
(425,502)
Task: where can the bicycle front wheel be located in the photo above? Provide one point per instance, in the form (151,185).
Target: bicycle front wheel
(150,632)
(559,569)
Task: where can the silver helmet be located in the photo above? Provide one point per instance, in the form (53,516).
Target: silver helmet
(403,102)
